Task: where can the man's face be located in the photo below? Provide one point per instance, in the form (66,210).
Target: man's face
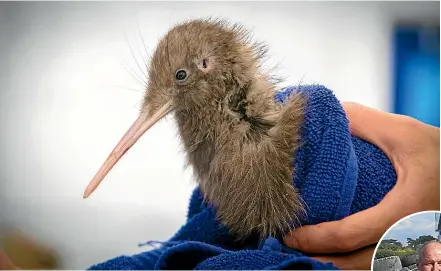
(430,258)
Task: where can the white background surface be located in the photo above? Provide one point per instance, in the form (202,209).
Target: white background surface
(64,104)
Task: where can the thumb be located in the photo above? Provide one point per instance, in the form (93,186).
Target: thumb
(374,126)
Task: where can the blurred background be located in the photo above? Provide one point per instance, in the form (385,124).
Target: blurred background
(71,82)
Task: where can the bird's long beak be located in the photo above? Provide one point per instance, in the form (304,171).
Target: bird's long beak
(138,128)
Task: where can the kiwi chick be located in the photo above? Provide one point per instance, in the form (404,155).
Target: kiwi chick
(238,139)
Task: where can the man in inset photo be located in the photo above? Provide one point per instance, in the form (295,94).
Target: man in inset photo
(429,256)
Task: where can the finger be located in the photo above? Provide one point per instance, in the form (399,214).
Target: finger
(377,127)
(359,260)
(352,232)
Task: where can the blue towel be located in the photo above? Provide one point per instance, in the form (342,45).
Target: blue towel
(336,174)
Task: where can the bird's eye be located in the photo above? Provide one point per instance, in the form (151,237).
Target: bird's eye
(181,75)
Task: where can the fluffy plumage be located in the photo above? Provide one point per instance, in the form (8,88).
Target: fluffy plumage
(336,174)
(238,139)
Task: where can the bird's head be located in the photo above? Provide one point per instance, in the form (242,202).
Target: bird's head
(199,61)
(195,65)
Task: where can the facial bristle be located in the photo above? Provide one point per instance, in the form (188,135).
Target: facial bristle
(239,141)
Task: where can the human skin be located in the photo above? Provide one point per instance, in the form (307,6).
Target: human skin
(430,257)
(413,149)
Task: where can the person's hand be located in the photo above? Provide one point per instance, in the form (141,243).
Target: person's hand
(413,149)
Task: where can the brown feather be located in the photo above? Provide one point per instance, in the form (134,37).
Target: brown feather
(239,141)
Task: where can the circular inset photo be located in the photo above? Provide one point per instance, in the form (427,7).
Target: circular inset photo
(413,243)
